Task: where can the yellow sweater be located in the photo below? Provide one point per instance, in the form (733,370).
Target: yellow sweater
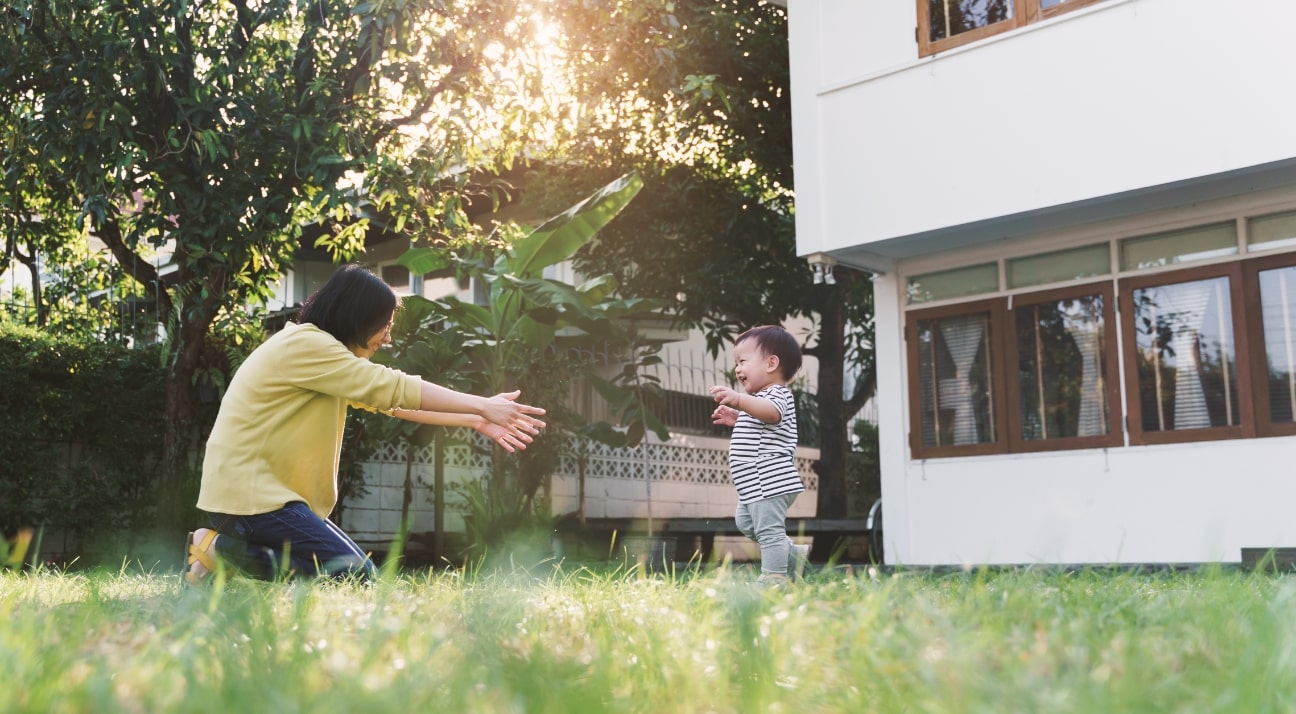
(278,434)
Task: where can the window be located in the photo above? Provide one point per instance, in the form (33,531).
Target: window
(1202,352)
(1182,356)
(1066,373)
(1185,246)
(960,282)
(959,392)
(1272,232)
(1059,266)
(1271,297)
(945,24)
(397,276)
(1034,376)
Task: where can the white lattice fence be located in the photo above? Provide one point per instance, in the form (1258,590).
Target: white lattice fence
(687,476)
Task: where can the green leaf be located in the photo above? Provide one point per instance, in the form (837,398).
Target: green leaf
(616,396)
(604,433)
(422,261)
(558,238)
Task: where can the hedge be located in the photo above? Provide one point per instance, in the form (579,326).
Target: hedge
(80,434)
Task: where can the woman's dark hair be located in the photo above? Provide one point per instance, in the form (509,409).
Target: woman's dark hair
(774,340)
(352,306)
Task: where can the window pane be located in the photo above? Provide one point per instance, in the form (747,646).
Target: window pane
(1179,247)
(1278,316)
(1059,266)
(1187,376)
(397,276)
(1062,369)
(1270,232)
(954,380)
(960,282)
(953,17)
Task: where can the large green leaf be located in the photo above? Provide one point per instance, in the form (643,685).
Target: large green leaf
(600,288)
(469,315)
(422,261)
(558,238)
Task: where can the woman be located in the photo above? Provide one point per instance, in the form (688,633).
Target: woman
(269,476)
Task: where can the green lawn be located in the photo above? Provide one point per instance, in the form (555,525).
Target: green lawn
(581,640)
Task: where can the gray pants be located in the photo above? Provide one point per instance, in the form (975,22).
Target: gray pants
(765,522)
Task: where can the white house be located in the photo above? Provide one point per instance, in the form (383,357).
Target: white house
(1081,220)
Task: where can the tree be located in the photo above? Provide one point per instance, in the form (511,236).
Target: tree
(217,130)
(695,95)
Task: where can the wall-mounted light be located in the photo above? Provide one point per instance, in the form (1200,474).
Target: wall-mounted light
(821,268)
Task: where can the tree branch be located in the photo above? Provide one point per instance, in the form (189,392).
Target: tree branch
(139,269)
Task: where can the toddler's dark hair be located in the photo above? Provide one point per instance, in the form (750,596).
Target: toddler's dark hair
(774,340)
(352,306)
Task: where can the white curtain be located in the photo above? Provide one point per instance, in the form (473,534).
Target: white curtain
(962,337)
(1277,318)
(1185,305)
(1085,327)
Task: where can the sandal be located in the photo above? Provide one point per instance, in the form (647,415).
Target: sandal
(199,553)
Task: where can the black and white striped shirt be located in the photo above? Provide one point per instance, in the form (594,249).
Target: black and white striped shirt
(761,455)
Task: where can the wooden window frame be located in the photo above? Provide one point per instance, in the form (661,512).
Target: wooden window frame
(997,307)
(1025,12)
(1111,363)
(1133,407)
(1259,363)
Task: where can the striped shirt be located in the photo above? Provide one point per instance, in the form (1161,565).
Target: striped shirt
(761,455)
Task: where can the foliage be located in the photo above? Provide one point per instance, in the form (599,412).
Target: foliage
(81,419)
(217,131)
(503,526)
(530,334)
(695,95)
(635,398)
(572,639)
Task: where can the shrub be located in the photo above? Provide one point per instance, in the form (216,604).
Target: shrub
(81,424)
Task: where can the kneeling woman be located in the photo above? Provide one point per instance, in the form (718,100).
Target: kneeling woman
(269,476)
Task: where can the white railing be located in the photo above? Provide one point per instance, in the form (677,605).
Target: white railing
(687,476)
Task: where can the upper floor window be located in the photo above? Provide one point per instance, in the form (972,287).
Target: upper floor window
(944,24)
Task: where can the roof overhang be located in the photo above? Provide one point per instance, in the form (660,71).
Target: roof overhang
(882,256)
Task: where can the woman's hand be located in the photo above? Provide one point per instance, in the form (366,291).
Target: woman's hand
(510,440)
(504,411)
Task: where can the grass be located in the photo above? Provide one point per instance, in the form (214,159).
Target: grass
(581,640)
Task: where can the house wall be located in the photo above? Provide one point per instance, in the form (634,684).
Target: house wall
(1114,97)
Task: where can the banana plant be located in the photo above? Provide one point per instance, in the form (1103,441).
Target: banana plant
(529,317)
(525,310)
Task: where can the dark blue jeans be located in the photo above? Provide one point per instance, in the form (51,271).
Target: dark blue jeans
(289,541)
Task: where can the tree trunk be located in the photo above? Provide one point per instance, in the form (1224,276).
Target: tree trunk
(834,445)
(173,507)
(174,488)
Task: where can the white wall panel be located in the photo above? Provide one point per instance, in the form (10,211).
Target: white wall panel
(1188,503)
(1123,95)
